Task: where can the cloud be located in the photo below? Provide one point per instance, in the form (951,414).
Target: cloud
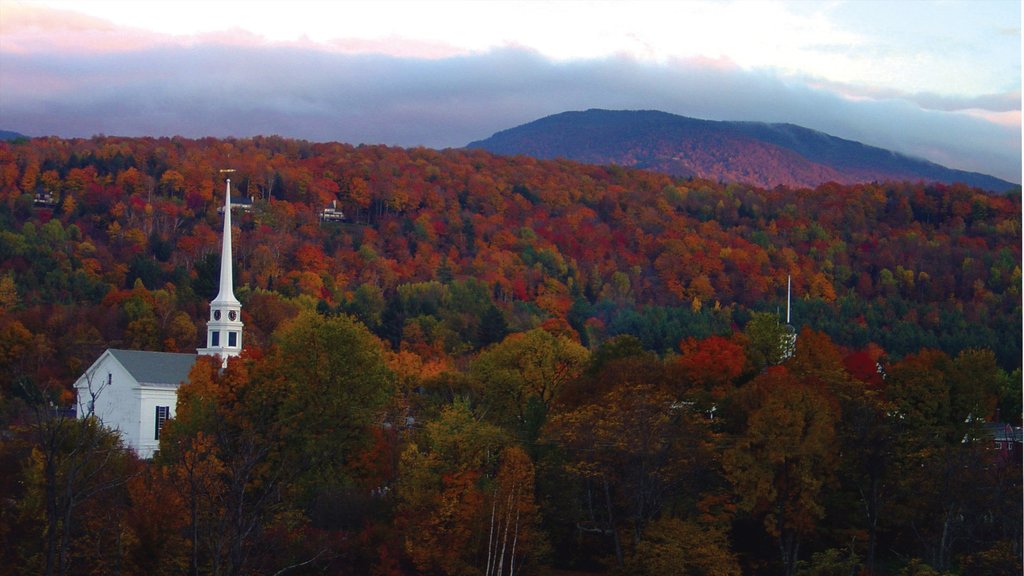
(27,29)
(1009,101)
(249,89)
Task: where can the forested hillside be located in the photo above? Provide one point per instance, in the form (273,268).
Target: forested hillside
(503,365)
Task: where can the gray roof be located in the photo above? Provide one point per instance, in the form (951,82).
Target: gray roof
(167,368)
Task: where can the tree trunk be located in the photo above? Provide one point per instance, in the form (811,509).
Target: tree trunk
(50,475)
(870,500)
(611,522)
(789,545)
(873,526)
(490,537)
(194,511)
(65,533)
(944,542)
(515,541)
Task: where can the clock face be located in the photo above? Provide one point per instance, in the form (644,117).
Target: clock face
(232,315)
(216,314)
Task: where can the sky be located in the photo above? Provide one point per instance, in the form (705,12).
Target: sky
(940,80)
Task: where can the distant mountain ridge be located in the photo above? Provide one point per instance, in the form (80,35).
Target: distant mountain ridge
(756,153)
(7,135)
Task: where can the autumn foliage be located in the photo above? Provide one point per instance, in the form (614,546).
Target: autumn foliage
(498,365)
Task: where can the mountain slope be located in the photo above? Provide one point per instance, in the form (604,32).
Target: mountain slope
(7,135)
(765,155)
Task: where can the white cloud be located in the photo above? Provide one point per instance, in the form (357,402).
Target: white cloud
(950,48)
(243,91)
(442,74)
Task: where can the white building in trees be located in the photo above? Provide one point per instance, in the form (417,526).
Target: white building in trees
(135,391)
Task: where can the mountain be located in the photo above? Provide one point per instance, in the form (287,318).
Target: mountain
(757,153)
(7,135)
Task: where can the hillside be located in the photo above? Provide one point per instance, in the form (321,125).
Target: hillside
(551,241)
(586,358)
(765,155)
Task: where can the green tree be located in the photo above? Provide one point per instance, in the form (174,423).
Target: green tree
(767,341)
(831,562)
(441,503)
(974,387)
(331,383)
(73,464)
(270,437)
(674,547)
(368,305)
(635,451)
(950,488)
(493,327)
(534,365)
(782,463)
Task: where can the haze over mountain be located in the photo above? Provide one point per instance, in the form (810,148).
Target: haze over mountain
(757,153)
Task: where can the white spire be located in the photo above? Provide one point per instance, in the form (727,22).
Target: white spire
(224,329)
(789,339)
(226,294)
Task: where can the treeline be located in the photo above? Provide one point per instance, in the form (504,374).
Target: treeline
(570,365)
(329,452)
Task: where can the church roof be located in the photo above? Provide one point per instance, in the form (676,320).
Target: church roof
(167,368)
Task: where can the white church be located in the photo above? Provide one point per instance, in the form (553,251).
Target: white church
(135,391)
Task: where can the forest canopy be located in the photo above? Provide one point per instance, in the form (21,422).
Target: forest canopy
(531,364)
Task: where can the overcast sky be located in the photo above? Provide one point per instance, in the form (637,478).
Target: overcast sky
(939,80)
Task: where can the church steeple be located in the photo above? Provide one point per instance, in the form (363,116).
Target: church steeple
(224,329)
(789,339)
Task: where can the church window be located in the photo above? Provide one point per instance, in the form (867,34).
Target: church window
(232,339)
(214,339)
(162,414)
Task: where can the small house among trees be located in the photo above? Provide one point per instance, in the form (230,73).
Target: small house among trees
(332,213)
